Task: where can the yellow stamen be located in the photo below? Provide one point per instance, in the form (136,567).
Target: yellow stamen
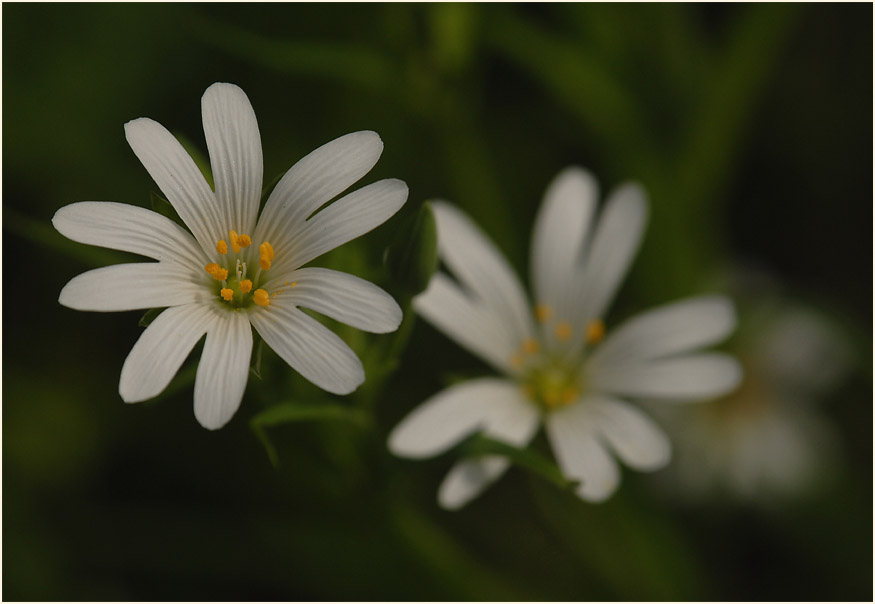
(216,272)
(595,331)
(563,330)
(246,286)
(543,312)
(244,240)
(516,361)
(265,252)
(531,346)
(227,294)
(529,391)
(235,242)
(222,247)
(261,297)
(569,395)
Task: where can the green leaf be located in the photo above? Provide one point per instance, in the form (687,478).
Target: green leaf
(165,208)
(284,413)
(197,155)
(625,537)
(255,365)
(413,260)
(529,459)
(341,61)
(150,316)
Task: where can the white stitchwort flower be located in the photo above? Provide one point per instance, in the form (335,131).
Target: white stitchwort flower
(767,441)
(558,367)
(231,271)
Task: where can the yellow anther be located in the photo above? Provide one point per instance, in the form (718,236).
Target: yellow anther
(563,330)
(516,361)
(543,312)
(235,242)
(246,286)
(216,272)
(265,253)
(569,395)
(531,346)
(595,331)
(244,240)
(261,298)
(529,391)
(227,294)
(222,247)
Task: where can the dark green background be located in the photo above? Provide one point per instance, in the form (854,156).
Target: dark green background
(750,126)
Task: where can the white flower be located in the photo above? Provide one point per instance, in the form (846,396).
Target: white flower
(766,441)
(554,366)
(231,272)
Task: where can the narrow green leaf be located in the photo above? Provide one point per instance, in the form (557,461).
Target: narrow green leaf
(479,445)
(199,158)
(43,235)
(165,208)
(255,365)
(284,413)
(149,316)
(345,62)
(413,260)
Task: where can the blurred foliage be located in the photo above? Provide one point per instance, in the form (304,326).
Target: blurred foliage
(750,126)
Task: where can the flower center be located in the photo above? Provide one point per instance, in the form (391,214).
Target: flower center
(552,385)
(552,378)
(234,284)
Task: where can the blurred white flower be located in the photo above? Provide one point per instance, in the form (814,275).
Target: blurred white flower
(231,272)
(767,441)
(556,367)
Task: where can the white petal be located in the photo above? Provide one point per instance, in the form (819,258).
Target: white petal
(347,218)
(176,174)
(492,405)
(615,242)
(572,434)
(160,351)
(468,478)
(692,377)
(234,144)
(314,180)
(467,322)
(309,347)
(128,228)
(481,268)
(637,440)
(343,297)
(223,370)
(133,287)
(561,229)
(671,329)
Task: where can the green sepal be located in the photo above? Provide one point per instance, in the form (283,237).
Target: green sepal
(413,260)
(284,413)
(199,158)
(165,208)
(255,363)
(528,459)
(149,316)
